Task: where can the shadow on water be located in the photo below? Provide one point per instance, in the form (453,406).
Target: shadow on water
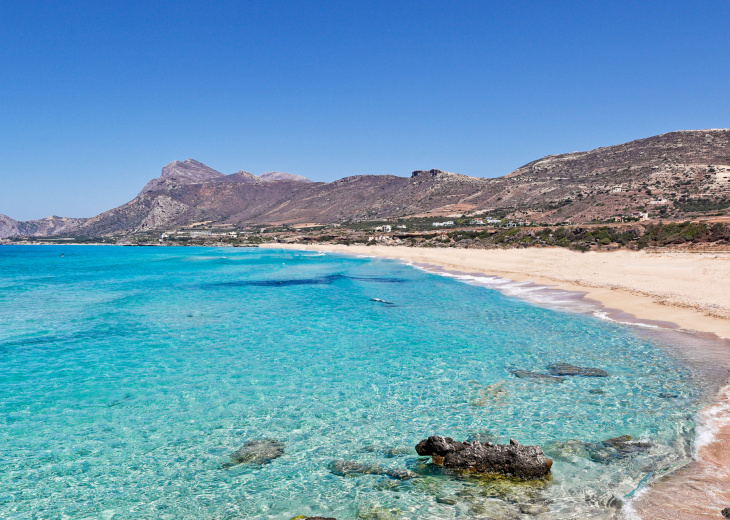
(320,280)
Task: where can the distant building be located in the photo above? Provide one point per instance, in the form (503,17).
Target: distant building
(194,234)
(493,221)
(402,226)
(477,222)
(443,224)
(387,229)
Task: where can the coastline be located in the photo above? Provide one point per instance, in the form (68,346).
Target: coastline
(683,292)
(651,286)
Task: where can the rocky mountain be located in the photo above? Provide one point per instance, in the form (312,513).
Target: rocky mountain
(41,227)
(281,176)
(179,173)
(672,175)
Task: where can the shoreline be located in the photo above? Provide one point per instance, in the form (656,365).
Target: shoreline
(650,286)
(660,297)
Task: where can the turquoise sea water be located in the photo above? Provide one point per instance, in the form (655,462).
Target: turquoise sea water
(128,376)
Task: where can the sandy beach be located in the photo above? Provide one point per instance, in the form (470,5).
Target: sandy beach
(678,290)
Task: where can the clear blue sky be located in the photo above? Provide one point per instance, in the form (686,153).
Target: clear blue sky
(95,97)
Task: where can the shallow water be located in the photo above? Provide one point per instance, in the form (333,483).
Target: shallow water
(128,376)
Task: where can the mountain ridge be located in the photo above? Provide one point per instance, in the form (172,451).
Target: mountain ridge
(671,174)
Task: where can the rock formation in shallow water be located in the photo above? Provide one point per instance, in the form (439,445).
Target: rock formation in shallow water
(260,451)
(511,459)
(566,369)
(537,376)
(345,468)
(605,452)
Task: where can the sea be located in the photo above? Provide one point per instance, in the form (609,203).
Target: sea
(130,375)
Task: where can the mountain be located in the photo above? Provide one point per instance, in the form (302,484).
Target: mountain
(179,173)
(41,227)
(673,175)
(281,176)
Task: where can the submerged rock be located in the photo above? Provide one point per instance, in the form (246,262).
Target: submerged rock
(537,376)
(260,451)
(347,468)
(616,448)
(566,369)
(604,452)
(513,459)
(376,512)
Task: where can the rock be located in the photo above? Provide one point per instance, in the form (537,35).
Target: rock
(376,512)
(537,376)
(320,518)
(605,451)
(451,501)
(533,509)
(347,468)
(616,448)
(526,462)
(597,391)
(665,395)
(492,509)
(726,512)
(396,452)
(565,369)
(260,451)
(615,502)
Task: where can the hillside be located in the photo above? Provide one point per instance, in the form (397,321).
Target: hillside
(673,176)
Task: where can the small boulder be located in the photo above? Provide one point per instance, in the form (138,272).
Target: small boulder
(726,512)
(513,459)
(537,376)
(347,468)
(260,451)
(616,448)
(566,369)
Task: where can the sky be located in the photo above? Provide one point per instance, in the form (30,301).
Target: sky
(95,97)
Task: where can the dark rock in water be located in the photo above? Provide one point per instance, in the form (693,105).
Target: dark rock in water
(597,391)
(604,452)
(537,376)
(533,509)
(260,451)
(615,502)
(527,462)
(451,501)
(616,448)
(665,395)
(726,512)
(346,468)
(388,452)
(565,369)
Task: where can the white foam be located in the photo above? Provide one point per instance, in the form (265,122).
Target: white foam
(524,290)
(712,419)
(604,316)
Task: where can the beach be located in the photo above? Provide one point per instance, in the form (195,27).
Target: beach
(677,290)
